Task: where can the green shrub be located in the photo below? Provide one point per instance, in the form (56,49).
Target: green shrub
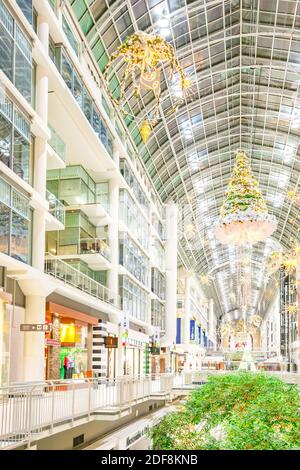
(251,410)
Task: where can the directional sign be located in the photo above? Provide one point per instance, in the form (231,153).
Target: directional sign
(39,327)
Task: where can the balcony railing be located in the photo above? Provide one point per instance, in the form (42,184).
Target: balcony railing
(29,410)
(56,208)
(57,143)
(95,245)
(61,270)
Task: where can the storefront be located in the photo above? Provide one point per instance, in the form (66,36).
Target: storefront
(137,354)
(68,347)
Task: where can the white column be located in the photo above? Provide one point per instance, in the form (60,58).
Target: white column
(120,355)
(211,319)
(171,273)
(187,308)
(40,156)
(187,318)
(34,343)
(43,32)
(36,291)
(113,275)
(113,236)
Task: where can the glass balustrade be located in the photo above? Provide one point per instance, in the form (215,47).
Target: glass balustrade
(56,208)
(95,245)
(61,270)
(57,143)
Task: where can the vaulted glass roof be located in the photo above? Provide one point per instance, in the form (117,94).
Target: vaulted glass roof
(243,59)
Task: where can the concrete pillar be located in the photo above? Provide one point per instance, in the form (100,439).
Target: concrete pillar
(34,343)
(113,236)
(43,32)
(40,156)
(187,308)
(211,318)
(120,355)
(35,311)
(171,274)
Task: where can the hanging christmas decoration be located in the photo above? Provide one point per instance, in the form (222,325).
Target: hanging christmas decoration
(143,55)
(294,196)
(288,261)
(205,279)
(244,215)
(291,309)
(145,130)
(240,327)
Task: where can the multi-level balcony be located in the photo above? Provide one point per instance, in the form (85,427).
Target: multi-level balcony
(95,252)
(56,218)
(62,271)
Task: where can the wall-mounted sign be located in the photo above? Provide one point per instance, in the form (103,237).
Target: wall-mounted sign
(52,342)
(43,327)
(111,342)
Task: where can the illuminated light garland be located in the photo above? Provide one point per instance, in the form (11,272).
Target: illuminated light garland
(239,327)
(143,54)
(244,215)
(294,196)
(291,309)
(205,279)
(287,261)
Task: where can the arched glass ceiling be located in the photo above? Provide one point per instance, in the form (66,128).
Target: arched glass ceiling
(243,57)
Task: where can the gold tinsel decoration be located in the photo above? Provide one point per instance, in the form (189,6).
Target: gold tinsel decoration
(143,55)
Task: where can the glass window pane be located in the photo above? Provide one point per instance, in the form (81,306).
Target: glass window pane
(21,156)
(5,141)
(19,238)
(26,7)
(87,106)
(66,71)
(6,53)
(77,91)
(23,75)
(96,123)
(4,228)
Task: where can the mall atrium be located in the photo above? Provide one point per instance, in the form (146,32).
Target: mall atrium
(149,211)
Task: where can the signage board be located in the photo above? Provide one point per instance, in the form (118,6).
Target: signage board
(39,327)
(52,342)
(111,342)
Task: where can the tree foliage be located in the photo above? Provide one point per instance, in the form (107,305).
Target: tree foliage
(235,411)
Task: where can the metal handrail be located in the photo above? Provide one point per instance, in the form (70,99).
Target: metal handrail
(61,270)
(29,409)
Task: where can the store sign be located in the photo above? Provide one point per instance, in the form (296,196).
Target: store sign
(124,328)
(52,342)
(192,330)
(111,342)
(43,327)
(155,346)
(155,351)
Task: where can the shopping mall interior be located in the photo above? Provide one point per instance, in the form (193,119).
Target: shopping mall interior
(149,224)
